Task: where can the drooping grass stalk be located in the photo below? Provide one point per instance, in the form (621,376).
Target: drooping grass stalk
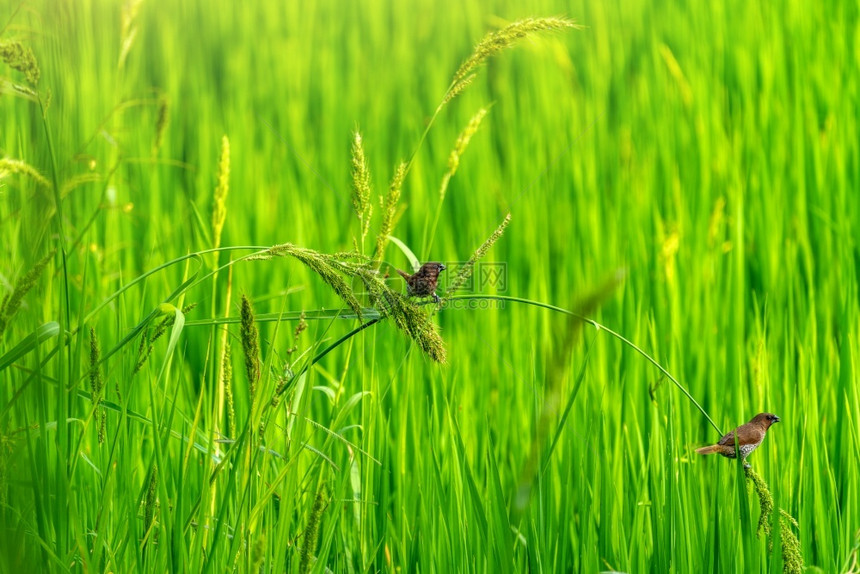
(405,314)
(599,327)
(8,165)
(792,558)
(322,266)
(492,44)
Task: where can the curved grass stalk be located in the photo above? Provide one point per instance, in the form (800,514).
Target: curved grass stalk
(599,327)
(323,314)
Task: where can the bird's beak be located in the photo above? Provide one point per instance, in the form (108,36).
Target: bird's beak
(775,419)
(442,267)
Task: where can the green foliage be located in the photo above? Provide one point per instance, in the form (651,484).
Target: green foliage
(709,149)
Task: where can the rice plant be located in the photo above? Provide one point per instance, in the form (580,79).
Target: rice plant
(649,222)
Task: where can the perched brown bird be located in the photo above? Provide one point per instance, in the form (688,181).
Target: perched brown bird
(423,282)
(749,435)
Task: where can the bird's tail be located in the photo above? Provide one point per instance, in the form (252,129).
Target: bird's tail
(403,274)
(708,449)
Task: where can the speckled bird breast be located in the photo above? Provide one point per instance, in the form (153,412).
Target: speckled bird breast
(746,449)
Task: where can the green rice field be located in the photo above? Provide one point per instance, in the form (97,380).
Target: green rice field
(649,215)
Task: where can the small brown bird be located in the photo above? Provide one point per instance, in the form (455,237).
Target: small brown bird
(423,282)
(749,435)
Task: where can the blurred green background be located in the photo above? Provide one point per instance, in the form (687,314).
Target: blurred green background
(710,149)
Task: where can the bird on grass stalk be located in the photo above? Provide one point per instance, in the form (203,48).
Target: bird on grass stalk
(424,281)
(750,436)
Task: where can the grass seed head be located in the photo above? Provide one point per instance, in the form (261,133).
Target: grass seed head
(151,499)
(498,41)
(458,88)
(227,381)
(161,124)
(466,270)
(463,140)
(321,265)
(258,552)
(97,383)
(219,207)
(389,210)
(792,559)
(312,531)
(791,556)
(765,501)
(13,166)
(361,186)
(21,58)
(12,302)
(250,345)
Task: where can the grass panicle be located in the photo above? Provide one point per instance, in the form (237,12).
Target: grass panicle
(144,350)
(765,501)
(150,336)
(227,382)
(407,317)
(361,186)
(463,140)
(418,325)
(7,447)
(301,326)
(21,58)
(468,268)
(792,557)
(161,120)
(150,501)
(321,265)
(250,346)
(16,166)
(458,88)
(405,314)
(219,206)
(12,302)
(311,532)
(128,30)
(20,90)
(459,148)
(389,210)
(258,552)
(280,388)
(496,42)
(539,425)
(97,382)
